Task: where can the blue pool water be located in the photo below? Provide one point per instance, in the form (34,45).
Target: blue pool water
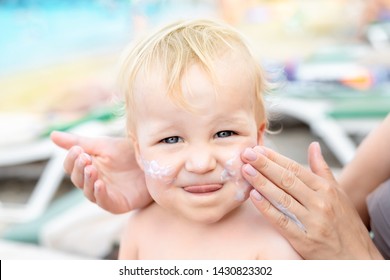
(37,33)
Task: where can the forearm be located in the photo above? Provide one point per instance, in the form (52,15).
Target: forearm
(369,168)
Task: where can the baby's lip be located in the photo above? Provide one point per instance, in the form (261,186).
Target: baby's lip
(203,188)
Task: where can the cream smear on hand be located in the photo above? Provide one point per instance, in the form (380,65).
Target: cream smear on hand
(290,215)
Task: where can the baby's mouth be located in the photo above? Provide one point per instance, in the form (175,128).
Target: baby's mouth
(199,189)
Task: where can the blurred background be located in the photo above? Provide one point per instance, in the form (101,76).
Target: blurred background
(329,60)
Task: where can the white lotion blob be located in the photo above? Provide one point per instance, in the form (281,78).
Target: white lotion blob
(290,215)
(156,171)
(232,172)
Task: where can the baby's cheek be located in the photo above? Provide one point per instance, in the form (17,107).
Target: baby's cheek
(242,192)
(232,173)
(156,172)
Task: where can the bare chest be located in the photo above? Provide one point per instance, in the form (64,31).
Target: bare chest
(227,242)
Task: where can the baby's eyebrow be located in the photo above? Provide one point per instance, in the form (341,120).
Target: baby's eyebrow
(232,120)
(162,126)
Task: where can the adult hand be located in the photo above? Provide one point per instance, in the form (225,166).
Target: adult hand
(106,170)
(307,207)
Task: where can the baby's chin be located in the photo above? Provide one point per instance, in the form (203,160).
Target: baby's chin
(205,219)
(212,216)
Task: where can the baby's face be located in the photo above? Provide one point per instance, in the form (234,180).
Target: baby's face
(191,159)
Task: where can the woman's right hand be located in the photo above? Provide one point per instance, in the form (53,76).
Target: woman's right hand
(106,170)
(307,206)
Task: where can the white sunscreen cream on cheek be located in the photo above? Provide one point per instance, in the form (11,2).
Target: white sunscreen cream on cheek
(154,170)
(232,172)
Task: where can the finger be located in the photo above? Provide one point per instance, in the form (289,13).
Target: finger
(66,140)
(71,158)
(272,165)
(283,178)
(77,174)
(318,166)
(63,139)
(101,195)
(92,146)
(90,177)
(289,228)
(279,199)
(105,199)
(317,163)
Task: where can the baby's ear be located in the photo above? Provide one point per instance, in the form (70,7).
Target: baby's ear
(260,133)
(137,154)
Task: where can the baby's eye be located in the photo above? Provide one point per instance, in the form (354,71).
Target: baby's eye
(224,133)
(171,140)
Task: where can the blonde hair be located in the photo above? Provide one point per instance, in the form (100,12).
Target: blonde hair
(176,47)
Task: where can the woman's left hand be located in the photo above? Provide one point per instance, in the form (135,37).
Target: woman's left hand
(307,207)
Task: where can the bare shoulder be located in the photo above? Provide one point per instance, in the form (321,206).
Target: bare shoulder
(142,220)
(270,244)
(137,225)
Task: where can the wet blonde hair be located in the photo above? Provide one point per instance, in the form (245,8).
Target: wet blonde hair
(174,48)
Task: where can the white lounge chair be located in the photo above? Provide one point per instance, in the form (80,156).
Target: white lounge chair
(334,114)
(50,179)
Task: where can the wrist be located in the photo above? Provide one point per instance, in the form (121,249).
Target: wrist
(374,252)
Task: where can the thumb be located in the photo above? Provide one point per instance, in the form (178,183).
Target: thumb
(317,163)
(90,145)
(64,140)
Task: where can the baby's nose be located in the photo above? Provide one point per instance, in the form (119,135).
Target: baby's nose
(200,160)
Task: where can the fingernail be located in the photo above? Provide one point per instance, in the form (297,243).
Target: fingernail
(249,154)
(97,187)
(260,150)
(256,195)
(85,158)
(250,170)
(318,148)
(81,161)
(87,172)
